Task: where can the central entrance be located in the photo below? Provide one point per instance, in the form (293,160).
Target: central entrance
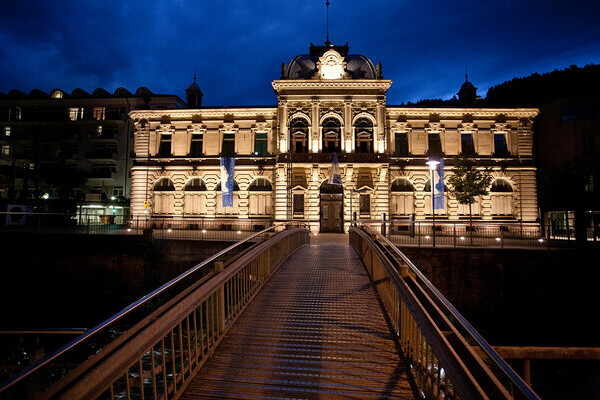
(331,208)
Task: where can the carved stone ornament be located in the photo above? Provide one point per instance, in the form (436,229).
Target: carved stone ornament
(165,129)
(435,127)
(196,128)
(402,127)
(500,127)
(228,127)
(331,65)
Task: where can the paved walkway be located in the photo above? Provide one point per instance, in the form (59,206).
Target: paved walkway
(315,331)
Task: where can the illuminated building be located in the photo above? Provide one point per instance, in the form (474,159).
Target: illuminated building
(70,148)
(329,102)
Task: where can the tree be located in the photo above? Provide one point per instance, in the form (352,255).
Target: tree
(468,182)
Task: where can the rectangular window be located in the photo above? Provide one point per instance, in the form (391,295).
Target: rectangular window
(165,146)
(365,204)
(75,113)
(435,144)
(6,150)
(228,144)
(468,149)
(260,144)
(118,191)
(500,147)
(401,144)
(298,204)
(196,146)
(98,113)
(7,130)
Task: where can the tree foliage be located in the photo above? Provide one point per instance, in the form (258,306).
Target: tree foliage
(467,181)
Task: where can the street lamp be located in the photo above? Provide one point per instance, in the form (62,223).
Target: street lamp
(433,164)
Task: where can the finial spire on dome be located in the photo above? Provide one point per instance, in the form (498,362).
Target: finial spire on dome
(194,74)
(327,42)
(466,72)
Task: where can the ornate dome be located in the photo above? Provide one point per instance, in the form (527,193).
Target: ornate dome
(305,66)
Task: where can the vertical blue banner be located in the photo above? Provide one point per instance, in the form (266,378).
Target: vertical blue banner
(227,170)
(438,189)
(335,177)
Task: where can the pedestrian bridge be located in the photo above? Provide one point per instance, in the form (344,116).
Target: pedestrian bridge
(346,316)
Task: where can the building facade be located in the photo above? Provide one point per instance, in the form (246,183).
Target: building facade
(329,102)
(75,148)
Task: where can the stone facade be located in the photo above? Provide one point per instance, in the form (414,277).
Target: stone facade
(328,102)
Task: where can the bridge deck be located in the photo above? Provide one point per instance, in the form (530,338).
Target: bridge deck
(315,331)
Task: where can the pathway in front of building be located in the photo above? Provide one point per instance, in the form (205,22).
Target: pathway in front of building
(315,331)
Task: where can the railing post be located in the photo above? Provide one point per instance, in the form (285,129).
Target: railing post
(218,268)
(454,234)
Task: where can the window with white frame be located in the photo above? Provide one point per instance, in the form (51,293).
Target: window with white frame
(402,194)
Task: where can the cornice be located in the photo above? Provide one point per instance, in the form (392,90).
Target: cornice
(382,84)
(425,112)
(186,114)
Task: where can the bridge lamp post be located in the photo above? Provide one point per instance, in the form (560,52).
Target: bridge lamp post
(433,164)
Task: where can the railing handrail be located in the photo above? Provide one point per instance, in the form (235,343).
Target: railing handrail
(101,326)
(499,361)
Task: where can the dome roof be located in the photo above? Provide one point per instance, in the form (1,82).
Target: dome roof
(305,66)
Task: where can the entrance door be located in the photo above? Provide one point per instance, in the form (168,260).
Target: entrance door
(331,213)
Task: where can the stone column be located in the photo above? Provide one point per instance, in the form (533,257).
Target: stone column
(314,133)
(380,136)
(283,128)
(348,142)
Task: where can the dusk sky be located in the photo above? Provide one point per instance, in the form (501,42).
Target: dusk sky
(237,47)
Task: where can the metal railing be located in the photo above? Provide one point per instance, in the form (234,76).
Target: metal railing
(438,342)
(152,348)
(460,234)
(120,224)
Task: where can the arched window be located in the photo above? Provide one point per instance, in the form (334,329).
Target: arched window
(260,185)
(195,197)
(501,186)
(261,201)
(502,198)
(195,185)
(299,135)
(164,185)
(402,185)
(332,135)
(427,188)
(164,198)
(364,135)
(402,201)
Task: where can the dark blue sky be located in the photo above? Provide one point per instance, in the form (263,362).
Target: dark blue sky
(238,46)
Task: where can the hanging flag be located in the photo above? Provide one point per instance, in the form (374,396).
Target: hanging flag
(438,188)
(335,177)
(227,182)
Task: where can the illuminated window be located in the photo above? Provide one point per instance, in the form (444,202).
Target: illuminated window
(57,94)
(260,197)
(6,150)
(75,113)
(260,143)
(7,130)
(98,113)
